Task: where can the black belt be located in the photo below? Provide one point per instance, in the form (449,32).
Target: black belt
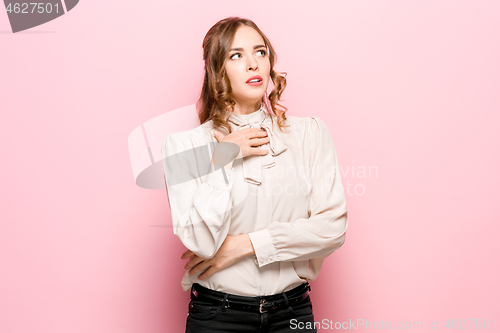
(259,303)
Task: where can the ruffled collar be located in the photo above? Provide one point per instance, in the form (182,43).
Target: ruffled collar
(253,164)
(250,119)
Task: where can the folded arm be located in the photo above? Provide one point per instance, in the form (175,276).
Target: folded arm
(324,231)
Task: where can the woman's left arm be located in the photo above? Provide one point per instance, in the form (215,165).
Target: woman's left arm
(324,231)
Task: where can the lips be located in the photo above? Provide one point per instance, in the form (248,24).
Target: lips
(258,77)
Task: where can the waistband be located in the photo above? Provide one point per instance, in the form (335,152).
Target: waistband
(253,303)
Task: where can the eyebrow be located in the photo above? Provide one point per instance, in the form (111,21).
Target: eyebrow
(241,49)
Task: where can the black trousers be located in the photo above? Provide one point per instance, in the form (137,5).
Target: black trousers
(211,316)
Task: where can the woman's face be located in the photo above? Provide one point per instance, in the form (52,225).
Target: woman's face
(248,57)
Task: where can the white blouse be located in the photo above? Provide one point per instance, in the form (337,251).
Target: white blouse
(290,202)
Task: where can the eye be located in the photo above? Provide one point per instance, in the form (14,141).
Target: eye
(239,54)
(231,57)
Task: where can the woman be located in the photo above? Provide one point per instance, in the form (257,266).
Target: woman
(260,212)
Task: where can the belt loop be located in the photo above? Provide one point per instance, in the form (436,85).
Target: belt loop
(225,302)
(286,299)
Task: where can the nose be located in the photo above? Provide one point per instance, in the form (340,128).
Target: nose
(252,64)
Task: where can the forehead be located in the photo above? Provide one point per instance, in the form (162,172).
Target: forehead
(246,36)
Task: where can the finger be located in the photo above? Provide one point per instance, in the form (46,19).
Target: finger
(258,131)
(252,131)
(216,136)
(200,267)
(187,254)
(258,151)
(209,272)
(193,262)
(259,142)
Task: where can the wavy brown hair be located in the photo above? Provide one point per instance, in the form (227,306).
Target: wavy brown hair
(214,100)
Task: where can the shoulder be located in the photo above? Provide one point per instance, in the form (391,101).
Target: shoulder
(305,121)
(306,126)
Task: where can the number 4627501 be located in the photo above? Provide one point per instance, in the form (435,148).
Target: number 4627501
(23,8)
(473,324)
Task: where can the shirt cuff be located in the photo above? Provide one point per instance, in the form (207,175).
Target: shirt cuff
(220,178)
(263,246)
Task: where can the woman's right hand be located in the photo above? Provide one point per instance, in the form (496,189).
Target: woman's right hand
(246,139)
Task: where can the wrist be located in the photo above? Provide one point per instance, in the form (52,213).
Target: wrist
(247,246)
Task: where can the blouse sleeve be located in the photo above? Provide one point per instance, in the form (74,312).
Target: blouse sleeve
(324,231)
(201,211)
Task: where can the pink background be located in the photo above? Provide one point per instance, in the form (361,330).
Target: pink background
(409,88)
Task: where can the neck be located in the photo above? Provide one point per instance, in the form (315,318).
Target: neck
(244,109)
